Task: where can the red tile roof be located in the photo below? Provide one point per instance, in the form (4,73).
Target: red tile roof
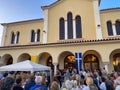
(64,42)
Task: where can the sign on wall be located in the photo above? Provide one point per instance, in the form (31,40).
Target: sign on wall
(34,59)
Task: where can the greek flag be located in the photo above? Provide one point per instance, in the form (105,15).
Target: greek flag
(78,57)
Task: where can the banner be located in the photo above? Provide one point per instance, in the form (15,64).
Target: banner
(34,59)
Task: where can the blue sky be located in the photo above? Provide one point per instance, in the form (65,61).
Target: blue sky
(20,10)
(17,10)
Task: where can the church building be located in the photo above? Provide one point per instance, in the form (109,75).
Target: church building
(73,33)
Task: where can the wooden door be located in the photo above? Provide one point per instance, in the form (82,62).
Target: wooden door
(87,66)
(95,66)
(91,66)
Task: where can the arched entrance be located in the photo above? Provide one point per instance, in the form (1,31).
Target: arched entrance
(49,61)
(66,60)
(7,59)
(116,62)
(91,62)
(69,61)
(24,56)
(45,59)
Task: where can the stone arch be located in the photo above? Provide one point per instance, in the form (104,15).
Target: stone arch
(91,60)
(115,60)
(6,59)
(45,58)
(62,56)
(23,57)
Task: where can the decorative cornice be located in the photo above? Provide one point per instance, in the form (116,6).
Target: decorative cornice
(64,43)
(41,19)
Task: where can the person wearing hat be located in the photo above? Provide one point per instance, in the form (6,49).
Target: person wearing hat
(38,85)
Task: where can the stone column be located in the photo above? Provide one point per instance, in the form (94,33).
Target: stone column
(55,69)
(3,35)
(36,37)
(106,65)
(66,32)
(97,19)
(15,41)
(74,29)
(114,29)
(45,29)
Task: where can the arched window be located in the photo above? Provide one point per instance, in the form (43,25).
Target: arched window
(117,25)
(12,37)
(38,35)
(32,36)
(78,27)
(18,34)
(61,29)
(70,25)
(109,28)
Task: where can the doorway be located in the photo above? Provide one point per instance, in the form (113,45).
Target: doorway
(91,62)
(69,61)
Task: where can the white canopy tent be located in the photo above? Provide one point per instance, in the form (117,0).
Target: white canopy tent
(26,65)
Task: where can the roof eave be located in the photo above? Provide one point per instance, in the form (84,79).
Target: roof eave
(44,7)
(4,24)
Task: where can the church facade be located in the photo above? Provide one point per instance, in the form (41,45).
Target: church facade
(73,33)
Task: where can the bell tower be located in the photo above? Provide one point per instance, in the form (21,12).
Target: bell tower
(97,19)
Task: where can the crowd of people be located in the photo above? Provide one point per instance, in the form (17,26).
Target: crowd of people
(67,79)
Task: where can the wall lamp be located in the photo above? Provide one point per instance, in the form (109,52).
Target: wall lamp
(44,31)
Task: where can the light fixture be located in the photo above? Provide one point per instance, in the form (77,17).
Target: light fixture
(50,60)
(93,58)
(98,25)
(114,63)
(71,58)
(44,31)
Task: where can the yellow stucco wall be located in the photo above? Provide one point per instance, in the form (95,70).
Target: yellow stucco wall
(84,8)
(25,29)
(103,49)
(108,15)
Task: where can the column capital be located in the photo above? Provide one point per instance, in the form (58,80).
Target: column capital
(55,68)
(106,63)
(55,64)
(113,23)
